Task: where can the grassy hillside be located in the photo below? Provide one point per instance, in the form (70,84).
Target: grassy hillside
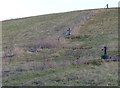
(35,28)
(63,62)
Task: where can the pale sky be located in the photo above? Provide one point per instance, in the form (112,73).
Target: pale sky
(10,9)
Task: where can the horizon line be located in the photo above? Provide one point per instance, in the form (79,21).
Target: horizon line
(17,18)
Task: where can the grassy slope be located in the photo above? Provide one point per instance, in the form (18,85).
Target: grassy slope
(33,29)
(102,30)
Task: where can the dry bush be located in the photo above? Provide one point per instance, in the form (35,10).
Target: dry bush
(7,50)
(12,51)
(75,36)
(45,43)
(49,43)
(18,51)
(79,36)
